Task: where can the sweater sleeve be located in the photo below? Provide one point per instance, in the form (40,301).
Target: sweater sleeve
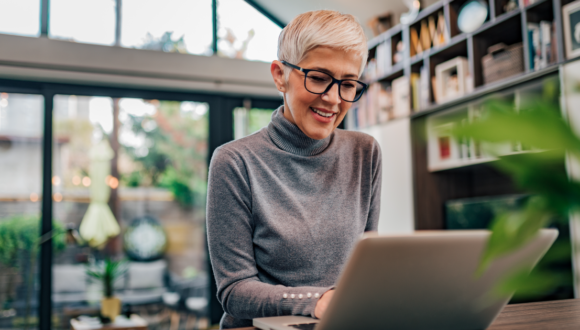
(377,170)
(230,231)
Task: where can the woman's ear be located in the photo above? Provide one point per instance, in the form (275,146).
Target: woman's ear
(277,70)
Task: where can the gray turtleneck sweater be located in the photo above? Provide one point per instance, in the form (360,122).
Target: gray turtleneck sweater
(283,213)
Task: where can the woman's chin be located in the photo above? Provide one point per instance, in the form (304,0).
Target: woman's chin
(318,133)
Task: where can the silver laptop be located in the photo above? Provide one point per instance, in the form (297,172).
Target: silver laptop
(424,280)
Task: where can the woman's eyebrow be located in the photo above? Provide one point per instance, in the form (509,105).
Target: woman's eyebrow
(349,75)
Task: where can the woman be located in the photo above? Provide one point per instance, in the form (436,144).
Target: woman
(287,204)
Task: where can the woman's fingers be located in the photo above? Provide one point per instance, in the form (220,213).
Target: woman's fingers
(323,303)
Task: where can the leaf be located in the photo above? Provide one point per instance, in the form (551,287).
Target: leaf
(512,230)
(530,285)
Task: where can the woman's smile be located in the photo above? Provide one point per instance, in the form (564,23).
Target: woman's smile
(323,115)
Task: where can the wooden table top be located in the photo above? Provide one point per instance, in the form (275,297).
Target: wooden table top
(550,315)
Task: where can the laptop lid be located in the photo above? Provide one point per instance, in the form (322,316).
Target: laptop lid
(425,280)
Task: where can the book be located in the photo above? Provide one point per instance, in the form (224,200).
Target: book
(441,36)
(545,40)
(385,102)
(416,91)
(535,45)
(371,113)
(415,45)
(401,97)
(424,88)
(434,87)
(432,29)
(425,36)
(542,48)
(383,58)
(531,51)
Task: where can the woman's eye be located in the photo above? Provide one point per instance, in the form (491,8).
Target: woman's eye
(318,79)
(348,85)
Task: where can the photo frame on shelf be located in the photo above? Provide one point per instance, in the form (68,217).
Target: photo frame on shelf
(451,79)
(571,22)
(445,142)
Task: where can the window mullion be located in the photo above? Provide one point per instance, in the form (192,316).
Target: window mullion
(214,43)
(44,17)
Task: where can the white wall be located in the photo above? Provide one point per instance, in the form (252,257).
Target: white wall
(51,60)
(570,78)
(397,214)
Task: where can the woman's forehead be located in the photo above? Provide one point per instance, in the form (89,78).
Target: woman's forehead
(334,61)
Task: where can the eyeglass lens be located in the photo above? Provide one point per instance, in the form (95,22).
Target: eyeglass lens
(317,82)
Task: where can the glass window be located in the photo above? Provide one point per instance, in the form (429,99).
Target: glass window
(20,17)
(156,190)
(88,21)
(247,122)
(245,33)
(182,26)
(21,119)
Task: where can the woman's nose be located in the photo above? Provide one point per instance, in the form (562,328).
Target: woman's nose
(332,95)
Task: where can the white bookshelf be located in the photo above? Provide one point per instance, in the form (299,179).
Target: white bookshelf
(446,151)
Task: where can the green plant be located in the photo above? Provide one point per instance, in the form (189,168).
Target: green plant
(176,144)
(22,233)
(539,126)
(107,271)
(19,237)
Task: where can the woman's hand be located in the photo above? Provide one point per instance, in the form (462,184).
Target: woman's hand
(323,303)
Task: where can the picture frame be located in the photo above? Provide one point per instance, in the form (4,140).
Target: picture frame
(451,79)
(571,22)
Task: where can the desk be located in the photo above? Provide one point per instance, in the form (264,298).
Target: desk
(558,314)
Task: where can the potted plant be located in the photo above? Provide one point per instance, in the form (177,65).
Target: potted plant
(551,140)
(107,272)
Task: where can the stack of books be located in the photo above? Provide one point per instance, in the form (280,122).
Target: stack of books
(542,44)
(381,64)
(381,103)
(420,89)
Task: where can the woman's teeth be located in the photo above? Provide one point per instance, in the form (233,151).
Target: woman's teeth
(323,114)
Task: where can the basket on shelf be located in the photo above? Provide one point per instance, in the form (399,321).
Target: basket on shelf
(502,61)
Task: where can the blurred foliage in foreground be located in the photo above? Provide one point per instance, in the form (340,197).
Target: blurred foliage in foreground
(539,126)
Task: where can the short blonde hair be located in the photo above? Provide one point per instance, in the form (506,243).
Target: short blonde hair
(318,28)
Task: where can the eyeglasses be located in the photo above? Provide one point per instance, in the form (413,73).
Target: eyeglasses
(318,82)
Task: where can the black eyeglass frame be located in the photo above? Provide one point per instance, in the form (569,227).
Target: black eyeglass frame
(334,81)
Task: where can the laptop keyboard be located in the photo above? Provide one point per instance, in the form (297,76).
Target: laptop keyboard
(303,326)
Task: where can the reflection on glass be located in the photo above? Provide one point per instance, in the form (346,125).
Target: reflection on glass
(245,33)
(83,21)
(21,119)
(158,185)
(247,122)
(20,17)
(181,26)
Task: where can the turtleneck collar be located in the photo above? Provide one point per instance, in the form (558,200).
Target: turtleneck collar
(289,137)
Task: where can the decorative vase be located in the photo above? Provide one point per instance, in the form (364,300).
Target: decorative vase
(111,307)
